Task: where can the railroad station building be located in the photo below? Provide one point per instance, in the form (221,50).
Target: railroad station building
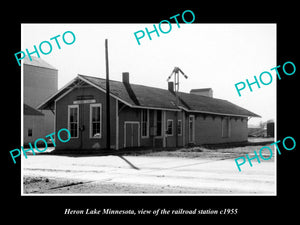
(142,116)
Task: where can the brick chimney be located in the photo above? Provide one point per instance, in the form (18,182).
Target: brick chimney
(128,87)
(171,86)
(125,77)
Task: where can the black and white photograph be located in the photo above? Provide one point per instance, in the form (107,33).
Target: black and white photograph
(182,116)
(149,111)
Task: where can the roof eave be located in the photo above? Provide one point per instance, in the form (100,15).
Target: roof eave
(50,101)
(215,113)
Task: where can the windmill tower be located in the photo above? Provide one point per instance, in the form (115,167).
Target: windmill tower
(176,71)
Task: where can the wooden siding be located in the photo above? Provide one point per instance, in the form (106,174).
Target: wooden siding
(84,141)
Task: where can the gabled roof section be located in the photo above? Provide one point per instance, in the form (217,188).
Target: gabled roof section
(29,111)
(206,104)
(146,96)
(49,102)
(140,96)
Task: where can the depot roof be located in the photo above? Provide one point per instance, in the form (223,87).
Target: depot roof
(140,96)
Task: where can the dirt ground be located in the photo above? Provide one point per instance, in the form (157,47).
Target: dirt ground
(45,185)
(196,170)
(205,153)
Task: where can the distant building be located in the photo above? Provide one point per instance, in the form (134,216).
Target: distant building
(270,128)
(257,131)
(40,82)
(142,116)
(264,129)
(208,92)
(33,124)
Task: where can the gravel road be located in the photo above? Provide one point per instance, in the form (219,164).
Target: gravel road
(152,174)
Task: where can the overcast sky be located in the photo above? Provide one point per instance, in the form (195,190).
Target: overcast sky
(212,55)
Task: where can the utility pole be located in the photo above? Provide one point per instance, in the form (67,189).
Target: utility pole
(107,99)
(175,72)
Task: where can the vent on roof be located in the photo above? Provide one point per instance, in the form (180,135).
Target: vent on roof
(208,92)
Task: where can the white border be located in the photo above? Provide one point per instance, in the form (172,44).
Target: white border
(124,194)
(22,112)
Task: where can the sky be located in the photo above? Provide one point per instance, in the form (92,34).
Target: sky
(212,55)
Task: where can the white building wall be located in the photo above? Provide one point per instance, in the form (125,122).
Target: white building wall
(39,84)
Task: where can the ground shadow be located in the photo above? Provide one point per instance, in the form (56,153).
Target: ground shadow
(128,162)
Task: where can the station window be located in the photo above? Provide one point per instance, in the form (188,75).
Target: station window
(169,130)
(158,123)
(226,127)
(73,120)
(95,120)
(29,132)
(179,127)
(145,123)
